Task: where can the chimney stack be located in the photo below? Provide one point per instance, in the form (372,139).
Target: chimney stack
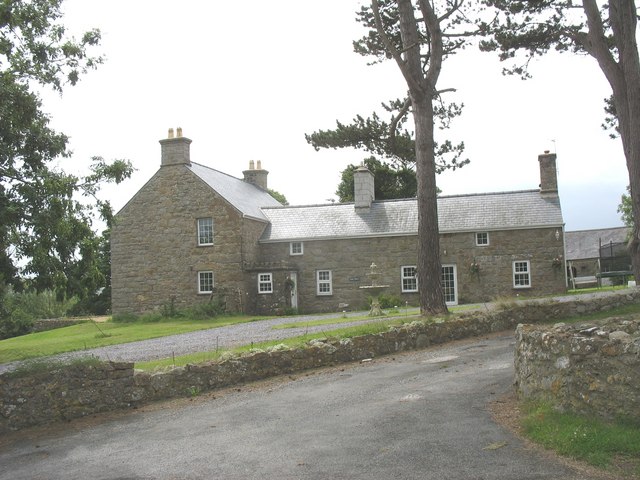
(548,173)
(363,187)
(175,149)
(256,175)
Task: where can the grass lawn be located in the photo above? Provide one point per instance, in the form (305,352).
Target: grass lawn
(91,335)
(347,332)
(612,446)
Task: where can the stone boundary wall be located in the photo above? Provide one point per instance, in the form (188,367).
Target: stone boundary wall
(77,390)
(53,323)
(592,369)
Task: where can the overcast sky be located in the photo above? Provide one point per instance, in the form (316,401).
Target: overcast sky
(246,80)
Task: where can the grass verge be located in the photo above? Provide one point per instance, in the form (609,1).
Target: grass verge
(614,446)
(292,342)
(92,335)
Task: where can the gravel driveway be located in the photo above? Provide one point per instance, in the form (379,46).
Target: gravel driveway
(239,334)
(207,340)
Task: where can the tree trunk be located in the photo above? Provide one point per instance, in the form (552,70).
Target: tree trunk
(623,75)
(429,268)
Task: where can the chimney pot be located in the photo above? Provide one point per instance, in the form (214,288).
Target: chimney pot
(259,165)
(179,132)
(170,135)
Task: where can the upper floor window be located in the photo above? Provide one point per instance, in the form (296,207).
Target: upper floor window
(324,285)
(265,283)
(296,248)
(521,274)
(205,282)
(409,280)
(482,239)
(205,231)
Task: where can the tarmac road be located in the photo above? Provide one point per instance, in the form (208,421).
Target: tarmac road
(419,415)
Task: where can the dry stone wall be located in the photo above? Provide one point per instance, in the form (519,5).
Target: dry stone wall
(589,368)
(63,393)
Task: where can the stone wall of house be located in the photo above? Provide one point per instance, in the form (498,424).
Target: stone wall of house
(74,391)
(592,369)
(154,251)
(349,261)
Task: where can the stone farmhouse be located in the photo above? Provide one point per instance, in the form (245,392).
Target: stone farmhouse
(192,233)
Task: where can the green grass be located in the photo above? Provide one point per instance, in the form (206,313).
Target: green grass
(606,445)
(580,291)
(339,320)
(292,342)
(631,309)
(92,335)
(390,313)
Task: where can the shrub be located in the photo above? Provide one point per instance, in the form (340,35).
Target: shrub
(15,324)
(389,301)
(203,311)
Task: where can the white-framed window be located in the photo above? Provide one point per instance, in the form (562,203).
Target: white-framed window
(482,239)
(296,248)
(521,274)
(324,282)
(265,283)
(205,282)
(449,284)
(205,231)
(408,279)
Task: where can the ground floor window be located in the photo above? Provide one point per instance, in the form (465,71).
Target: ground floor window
(205,282)
(449,287)
(265,283)
(324,282)
(408,278)
(521,274)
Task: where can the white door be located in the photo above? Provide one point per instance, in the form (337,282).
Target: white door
(449,284)
(294,289)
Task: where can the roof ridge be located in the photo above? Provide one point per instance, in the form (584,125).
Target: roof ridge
(217,171)
(505,192)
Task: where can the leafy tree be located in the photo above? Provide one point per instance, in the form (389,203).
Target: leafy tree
(418,35)
(389,183)
(625,209)
(605,31)
(279,197)
(46,236)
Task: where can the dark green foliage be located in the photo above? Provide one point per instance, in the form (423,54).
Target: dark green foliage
(18,310)
(389,183)
(625,209)
(47,241)
(279,197)
(14,325)
(203,311)
(389,141)
(389,301)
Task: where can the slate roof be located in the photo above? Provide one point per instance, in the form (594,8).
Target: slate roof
(585,244)
(458,213)
(247,198)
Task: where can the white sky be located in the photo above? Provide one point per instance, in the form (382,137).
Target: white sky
(246,80)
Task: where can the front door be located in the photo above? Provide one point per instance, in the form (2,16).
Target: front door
(294,289)
(449,285)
